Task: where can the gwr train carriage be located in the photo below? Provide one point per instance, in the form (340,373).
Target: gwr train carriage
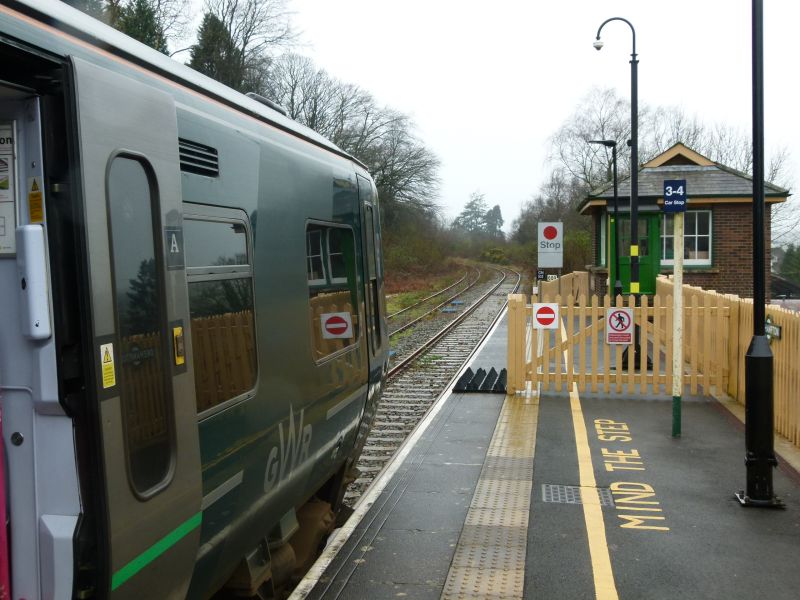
(192,334)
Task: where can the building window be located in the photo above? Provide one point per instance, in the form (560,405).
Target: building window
(696,239)
(316,272)
(331,274)
(220,276)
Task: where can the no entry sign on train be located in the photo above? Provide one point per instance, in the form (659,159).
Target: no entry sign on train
(336,326)
(545,315)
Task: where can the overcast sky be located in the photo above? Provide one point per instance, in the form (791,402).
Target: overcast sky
(487,83)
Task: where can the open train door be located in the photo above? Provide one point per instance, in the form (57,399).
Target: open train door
(138,322)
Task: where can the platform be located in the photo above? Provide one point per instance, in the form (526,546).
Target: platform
(567,497)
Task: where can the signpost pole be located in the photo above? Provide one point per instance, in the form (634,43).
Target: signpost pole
(677,327)
(675,203)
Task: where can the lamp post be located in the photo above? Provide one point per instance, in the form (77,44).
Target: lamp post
(598,44)
(759,410)
(613,145)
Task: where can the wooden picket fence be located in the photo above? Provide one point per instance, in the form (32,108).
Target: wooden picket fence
(575,284)
(717,330)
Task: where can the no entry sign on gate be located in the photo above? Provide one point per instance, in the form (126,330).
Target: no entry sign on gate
(619,326)
(545,315)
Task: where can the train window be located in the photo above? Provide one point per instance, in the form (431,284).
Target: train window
(215,243)
(220,281)
(372,262)
(331,288)
(138,291)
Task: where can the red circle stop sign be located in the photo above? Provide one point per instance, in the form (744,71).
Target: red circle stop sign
(545,315)
(336,325)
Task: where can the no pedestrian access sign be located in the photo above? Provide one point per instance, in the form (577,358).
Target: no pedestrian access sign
(545,315)
(336,326)
(619,326)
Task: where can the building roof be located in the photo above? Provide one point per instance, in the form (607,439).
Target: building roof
(781,287)
(705,179)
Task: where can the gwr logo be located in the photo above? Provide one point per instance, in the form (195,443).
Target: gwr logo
(291,451)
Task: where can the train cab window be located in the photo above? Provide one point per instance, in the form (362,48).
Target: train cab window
(331,264)
(220,277)
(145,389)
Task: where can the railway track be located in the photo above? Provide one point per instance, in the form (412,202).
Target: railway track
(421,375)
(411,315)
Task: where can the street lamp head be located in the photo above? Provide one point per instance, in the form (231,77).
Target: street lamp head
(598,44)
(606,143)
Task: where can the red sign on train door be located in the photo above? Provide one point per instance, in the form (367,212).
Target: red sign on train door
(336,325)
(545,315)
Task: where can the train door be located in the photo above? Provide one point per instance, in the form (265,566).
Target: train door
(373,277)
(38,443)
(130,178)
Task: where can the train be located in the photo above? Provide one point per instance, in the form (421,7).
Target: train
(193,338)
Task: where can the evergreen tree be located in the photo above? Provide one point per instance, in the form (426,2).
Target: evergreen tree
(216,54)
(494,222)
(472,218)
(138,19)
(790,266)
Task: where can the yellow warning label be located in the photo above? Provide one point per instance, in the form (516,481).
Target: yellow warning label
(177,342)
(107,365)
(634,250)
(35,202)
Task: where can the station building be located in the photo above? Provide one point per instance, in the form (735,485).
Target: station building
(718,238)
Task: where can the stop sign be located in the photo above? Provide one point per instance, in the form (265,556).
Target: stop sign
(545,315)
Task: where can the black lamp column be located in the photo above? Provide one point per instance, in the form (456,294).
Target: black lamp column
(617,280)
(613,145)
(634,285)
(759,427)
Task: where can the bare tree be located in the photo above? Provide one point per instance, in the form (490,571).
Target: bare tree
(173,16)
(602,114)
(257,27)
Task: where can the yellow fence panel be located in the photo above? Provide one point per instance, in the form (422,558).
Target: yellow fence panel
(718,329)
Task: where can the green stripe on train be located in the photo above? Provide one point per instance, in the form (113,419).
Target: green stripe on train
(156,550)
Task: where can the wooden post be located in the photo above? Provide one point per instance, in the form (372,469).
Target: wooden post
(516,343)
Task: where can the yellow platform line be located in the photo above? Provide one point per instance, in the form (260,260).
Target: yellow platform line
(604,586)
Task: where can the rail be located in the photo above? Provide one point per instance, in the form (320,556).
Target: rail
(424,300)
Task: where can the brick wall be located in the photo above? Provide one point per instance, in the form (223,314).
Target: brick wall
(732,251)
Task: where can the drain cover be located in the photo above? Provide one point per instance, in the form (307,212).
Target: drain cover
(571,494)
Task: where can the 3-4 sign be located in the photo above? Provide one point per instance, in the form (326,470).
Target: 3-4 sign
(674,195)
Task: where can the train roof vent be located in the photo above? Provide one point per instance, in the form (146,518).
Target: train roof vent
(198,158)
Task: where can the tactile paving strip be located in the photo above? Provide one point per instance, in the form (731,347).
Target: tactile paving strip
(490,557)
